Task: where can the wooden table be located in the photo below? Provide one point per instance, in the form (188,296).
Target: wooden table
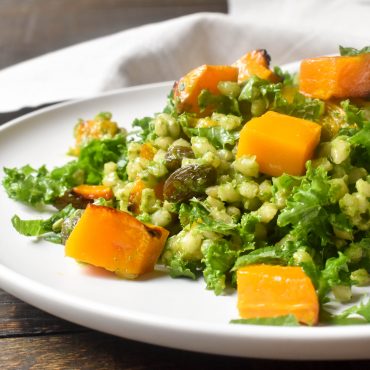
(30,338)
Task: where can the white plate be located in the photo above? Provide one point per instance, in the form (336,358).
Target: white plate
(156,309)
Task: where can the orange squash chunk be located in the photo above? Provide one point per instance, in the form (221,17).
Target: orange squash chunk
(96,128)
(281,143)
(188,88)
(94,191)
(336,77)
(116,241)
(271,291)
(134,198)
(255,63)
(147,151)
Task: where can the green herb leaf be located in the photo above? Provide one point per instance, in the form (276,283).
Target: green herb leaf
(247,228)
(305,210)
(217,136)
(336,272)
(145,129)
(348,51)
(41,228)
(286,320)
(264,96)
(179,267)
(218,259)
(218,103)
(41,186)
(195,211)
(362,309)
(356,314)
(362,137)
(37,186)
(170,107)
(270,255)
(96,153)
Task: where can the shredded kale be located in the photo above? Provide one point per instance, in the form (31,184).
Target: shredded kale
(348,51)
(35,187)
(354,315)
(170,107)
(42,186)
(289,79)
(247,228)
(195,211)
(98,152)
(271,255)
(144,129)
(306,210)
(217,136)
(179,267)
(286,320)
(218,259)
(362,137)
(48,229)
(264,95)
(218,103)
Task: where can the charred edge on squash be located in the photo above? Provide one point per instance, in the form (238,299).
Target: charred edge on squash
(265,56)
(131,207)
(153,232)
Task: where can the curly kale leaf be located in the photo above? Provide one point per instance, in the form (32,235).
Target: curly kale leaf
(306,210)
(144,129)
(217,136)
(218,259)
(269,96)
(179,267)
(286,320)
(48,229)
(218,103)
(348,51)
(42,186)
(197,212)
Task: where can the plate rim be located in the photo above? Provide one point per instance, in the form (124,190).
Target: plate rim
(136,325)
(92,97)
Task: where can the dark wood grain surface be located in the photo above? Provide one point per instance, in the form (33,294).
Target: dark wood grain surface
(33,339)
(32,27)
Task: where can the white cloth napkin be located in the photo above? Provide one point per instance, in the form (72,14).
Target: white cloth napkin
(288,29)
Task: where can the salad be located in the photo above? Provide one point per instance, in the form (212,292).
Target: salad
(251,178)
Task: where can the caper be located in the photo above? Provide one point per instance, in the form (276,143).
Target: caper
(175,154)
(187,182)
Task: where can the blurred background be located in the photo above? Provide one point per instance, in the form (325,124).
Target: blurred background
(29,28)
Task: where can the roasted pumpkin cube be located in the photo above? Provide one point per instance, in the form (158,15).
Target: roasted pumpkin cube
(335,77)
(115,240)
(281,143)
(271,291)
(188,88)
(255,63)
(99,127)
